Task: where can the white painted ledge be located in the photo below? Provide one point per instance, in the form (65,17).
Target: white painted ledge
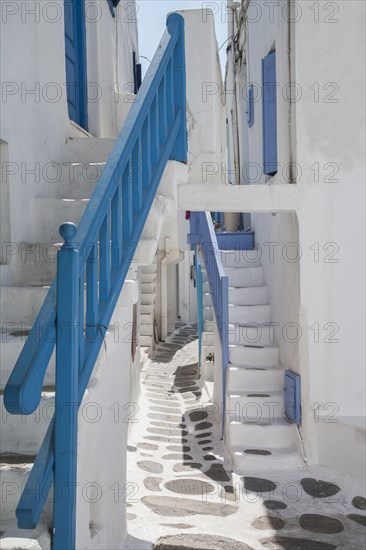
(238,198)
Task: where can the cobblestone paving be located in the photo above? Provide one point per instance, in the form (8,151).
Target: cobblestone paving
(184,496)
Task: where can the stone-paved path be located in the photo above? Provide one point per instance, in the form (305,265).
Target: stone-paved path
(181,495)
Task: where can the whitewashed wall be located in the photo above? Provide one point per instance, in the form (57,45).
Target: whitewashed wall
(34,116)
(322,292)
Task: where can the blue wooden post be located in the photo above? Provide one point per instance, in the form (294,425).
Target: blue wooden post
(179,151)
(199,283)
(67,379)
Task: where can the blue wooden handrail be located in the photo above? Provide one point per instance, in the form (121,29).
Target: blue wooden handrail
(75,315)
(203,233)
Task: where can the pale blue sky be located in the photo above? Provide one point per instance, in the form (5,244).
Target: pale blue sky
(151,17)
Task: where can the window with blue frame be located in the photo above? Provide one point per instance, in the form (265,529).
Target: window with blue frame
(269,99)
(250,105)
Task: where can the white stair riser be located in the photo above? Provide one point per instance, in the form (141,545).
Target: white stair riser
(148,277)
(208,314)
(287,459)
(240,258)
(249,407)
(89,149)
(20,306)
(256,357)
(245,276)
(256,335)
(255,436)
(207,339)
(51,213)
(147,299)
(146,319)
(207,300)
(24,433)
(148,288)
(147,309)
(247,315)
(73,180)
(10,349)
(146,330)
(249,380)
(146,341)
(12,482)
(251,296)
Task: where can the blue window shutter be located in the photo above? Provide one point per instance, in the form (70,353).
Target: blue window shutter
(250,106)
(269,98)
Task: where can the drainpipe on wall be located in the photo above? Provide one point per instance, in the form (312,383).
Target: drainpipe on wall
(291,174)
(171,258)
(232,218)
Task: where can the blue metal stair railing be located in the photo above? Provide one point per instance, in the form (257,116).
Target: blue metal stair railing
(91,270)
(203,233)
(199,283)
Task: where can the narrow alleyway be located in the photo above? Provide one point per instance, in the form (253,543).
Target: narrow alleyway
(181,495)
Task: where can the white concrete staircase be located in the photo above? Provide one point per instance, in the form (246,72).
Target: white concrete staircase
(148,298)
(257,435)
(30,272)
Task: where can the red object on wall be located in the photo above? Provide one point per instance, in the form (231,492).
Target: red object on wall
(188,215)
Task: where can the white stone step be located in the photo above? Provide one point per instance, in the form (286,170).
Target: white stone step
(148,277)
(247,315)
(250,356)
(146,330)
(208,313)
(207,300)
(147,299)
(146,319)
(276,434)
(24,434)
(255,335)
(153,268)
(35,263)
(148,289)
(254,379)
(245,276)
(146,341)
(88,149)
(240,258)
(15,539)
(20,305)
(247,406)
(12,342)
(12,480)
(147,309)
(51,213)
(250,296)
(207,338)
(74,180)
(246,458)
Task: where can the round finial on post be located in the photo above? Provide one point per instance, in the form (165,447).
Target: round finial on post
(68,231)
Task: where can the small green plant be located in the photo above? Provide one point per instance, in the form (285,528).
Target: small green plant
(210,357)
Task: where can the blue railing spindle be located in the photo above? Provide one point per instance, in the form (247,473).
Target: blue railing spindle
(137,177)
(154,128)
(127,210)
(116,211)
(163,119)
(95,309)
(92,302)
(105,258)
(202,232)
(170,92)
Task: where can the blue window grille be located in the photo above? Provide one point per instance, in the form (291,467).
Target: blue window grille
(250,105)
(269,98)
(292,397)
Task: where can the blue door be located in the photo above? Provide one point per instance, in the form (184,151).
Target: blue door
(75,51)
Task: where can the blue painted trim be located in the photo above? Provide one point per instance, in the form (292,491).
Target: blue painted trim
(199,282)
(201,224)
(293,397)
(235,241)
(102,220)
(269,119)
